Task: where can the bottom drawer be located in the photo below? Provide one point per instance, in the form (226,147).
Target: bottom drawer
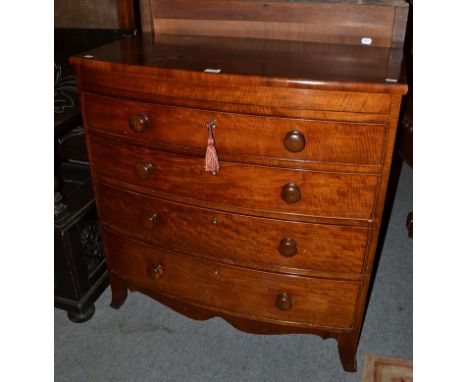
(303,301)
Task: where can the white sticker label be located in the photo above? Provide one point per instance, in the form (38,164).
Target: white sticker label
(366,41)
(391,80)
(208,70)
(88,56)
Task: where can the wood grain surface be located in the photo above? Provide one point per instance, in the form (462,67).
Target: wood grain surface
(98,14)
(334,195)
(237,134)
(110,83)
(306,21)
(239,239)
(256,62)
(243,292)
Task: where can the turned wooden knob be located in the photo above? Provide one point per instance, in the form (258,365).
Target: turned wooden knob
(294,141)
(155,271)
(139,122)
(291,193)
(144,170)
(151,221)
(288,247)
(283,301)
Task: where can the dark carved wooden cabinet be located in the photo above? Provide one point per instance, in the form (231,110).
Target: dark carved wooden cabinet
(240,153)
(80,273)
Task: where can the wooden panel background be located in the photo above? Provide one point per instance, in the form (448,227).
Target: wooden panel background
(99,14)
(95,14)
(324,21)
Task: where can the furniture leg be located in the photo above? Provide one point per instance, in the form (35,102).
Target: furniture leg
(78,318)
(347,346)
(119,291)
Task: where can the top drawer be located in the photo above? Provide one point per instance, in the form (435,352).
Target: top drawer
(237,134)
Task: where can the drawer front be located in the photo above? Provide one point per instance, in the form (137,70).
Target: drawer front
(237,134)
(236,238)
(256,294)
(312,193)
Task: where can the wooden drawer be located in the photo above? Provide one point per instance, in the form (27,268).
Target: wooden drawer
(243,292)
(236,134)
(239,239)
(340,195)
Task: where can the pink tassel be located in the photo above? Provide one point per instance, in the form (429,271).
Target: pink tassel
(211,158)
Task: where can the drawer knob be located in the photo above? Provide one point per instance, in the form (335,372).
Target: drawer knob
(144,170)
(155,271)
(288,247)
(151,221)
(283,301)
(291,193)
(294,141)
(139,122)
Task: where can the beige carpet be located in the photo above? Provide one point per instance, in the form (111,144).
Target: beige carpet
(386,369)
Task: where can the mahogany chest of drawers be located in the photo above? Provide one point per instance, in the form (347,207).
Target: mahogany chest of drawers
(281,236)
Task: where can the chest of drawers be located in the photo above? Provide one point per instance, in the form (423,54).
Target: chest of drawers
(282,238)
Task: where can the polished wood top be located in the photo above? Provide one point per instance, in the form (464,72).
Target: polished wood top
(282,63)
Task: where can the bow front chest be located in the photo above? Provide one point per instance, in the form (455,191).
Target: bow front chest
(240,164)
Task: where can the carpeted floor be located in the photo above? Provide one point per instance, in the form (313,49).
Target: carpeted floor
(145,341)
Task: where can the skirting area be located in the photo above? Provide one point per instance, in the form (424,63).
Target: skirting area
(145,341)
